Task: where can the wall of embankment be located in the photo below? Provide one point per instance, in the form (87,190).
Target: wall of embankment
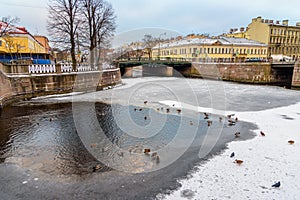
(252,73)
(16,86)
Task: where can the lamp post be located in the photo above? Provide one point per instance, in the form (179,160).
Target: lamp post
(159,37)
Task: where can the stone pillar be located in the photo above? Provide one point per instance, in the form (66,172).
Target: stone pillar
(169,71)
(296,76)
(128,72)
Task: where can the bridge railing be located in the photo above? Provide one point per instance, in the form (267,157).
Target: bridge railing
(39,69)
(65,68)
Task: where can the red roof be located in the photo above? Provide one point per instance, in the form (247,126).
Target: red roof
(12,29)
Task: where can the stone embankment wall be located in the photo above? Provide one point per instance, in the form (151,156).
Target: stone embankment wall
(296,77)
(15,86)
(255,73)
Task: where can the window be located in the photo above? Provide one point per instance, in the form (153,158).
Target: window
(208,50)
(0,43)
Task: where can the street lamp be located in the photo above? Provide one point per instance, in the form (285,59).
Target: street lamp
(159,44)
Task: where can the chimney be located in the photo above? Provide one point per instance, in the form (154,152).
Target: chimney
(266,21)
(235,30)
(271,21)
(285,22)
(277,22)
(298,24)
(231,30)
(242,29)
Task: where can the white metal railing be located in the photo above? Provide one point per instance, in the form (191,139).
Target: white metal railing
(64,68)
(38,69)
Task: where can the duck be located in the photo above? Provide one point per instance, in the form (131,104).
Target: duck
(291,141)
(209,122)
(231,115)
(147,150)
(97,167)
(239,162)
(237,134)
(276,185)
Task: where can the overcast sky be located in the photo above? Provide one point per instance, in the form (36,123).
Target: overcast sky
(182,16)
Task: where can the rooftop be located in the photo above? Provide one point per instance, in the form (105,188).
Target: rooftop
(229,41)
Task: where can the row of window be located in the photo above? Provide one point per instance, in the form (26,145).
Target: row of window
(275,31)
(284,40)
(214,51)
(285,50)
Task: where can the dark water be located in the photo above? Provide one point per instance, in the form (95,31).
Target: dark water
(43,157)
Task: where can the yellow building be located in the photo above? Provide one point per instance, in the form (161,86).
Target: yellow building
(221,49)
(281,38)
(18,43)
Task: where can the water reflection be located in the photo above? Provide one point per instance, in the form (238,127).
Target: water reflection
(44,138)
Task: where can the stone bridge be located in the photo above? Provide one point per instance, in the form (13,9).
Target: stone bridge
(280,74)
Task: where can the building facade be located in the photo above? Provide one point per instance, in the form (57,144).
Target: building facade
(221,49)
(17,43)
(281,38)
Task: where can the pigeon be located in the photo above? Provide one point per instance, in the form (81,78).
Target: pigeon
(145,117)
(262,133)
(168,110)
(232,155)
(276,184)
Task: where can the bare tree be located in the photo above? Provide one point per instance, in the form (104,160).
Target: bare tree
(63,23)
(149,42)
(99,25)
(7,25)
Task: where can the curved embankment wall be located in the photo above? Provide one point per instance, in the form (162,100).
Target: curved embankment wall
(21,86)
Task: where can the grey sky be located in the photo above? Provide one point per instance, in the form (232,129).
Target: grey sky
(183,16)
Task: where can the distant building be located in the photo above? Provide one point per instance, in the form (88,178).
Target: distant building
(218,49)
(16,43)
(281,38)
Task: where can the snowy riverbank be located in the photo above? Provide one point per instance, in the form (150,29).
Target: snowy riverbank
(266,160)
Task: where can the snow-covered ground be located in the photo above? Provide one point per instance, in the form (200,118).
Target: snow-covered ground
(267,159)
